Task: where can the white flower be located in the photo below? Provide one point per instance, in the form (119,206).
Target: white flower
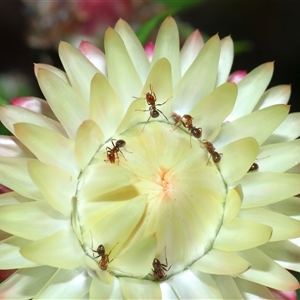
(108,205)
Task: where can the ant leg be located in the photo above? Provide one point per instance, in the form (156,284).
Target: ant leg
(146,123)
(164,115)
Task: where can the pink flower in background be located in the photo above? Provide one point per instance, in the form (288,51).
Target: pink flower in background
(237,76)
(149,49)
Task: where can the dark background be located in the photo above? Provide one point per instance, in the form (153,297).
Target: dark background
(272,26)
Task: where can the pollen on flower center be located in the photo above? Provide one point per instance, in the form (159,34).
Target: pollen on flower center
(164,180)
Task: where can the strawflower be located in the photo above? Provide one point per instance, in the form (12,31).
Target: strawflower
(114,197)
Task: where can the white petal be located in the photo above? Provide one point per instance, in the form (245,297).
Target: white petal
(11,146)
(101,290)
(12,198)
(227,287)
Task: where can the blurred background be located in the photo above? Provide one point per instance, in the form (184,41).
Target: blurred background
(262,30)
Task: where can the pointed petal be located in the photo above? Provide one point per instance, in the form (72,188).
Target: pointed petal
(199,80)
(26,283)
(14,219)
(252,124)
(266,188)
(94,55)
(167,45)
(60,250)
(124,80)
(75,285)
(89,137)
(288,207)
(240,154)
(56,185)
(196,285)
(11,146)
(266,272)
(139,289)
(288,130)
(283,227)
(12,198)
(226,60)
(101,290)
(222,263)
(14,175)
(105,105)
(285,253)
(10,256)
(233,204)
(10,115)
(61,74)
(279,94)
(242,234)
(227,287)
(251,87)
(69,107)
(287,153)
(134,48)
(37,139)
(212,110)
(74,63)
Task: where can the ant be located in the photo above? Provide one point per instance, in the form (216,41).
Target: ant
(112,153)
(187,122)
(216,156)
(104,261)
(159,269)
(154,111)
(254,167)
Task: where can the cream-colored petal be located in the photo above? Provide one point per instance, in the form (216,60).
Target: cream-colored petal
(10,115)
(221,263)
(134,48)
(167,291)
(11,146)
(196,285)
(12,198)
(139,289)
(259,188)
(233,204)
(69,107)
(279,94)
(251,290)
(145,250)
(122,74)
(288,130)
(94,55)
(227,287)
(26,283)
(251,87)
(259,124)
(14,219)
(79,69)
(242,234)
(212,110)
(61,74)
(266,272)
(225,61)
(287,153)
(10,256)
(239,154)
(56,185)
(101,290)
(60,250)
(283,227)
(199,80)
(37,139)
(167,45)
(106,108)
(89,137)
(285,253)
(288,207)
(75,285)
(190,49)
(14,175)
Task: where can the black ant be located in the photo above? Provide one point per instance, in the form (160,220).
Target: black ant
(187,122)
(154,111)
(216,156)
(112,153)
(159,269)
(104,261)
(254,167)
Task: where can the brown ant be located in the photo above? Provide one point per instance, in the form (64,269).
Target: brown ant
(187,122)
(216,156)
(254,167)
(112,153)
(104,261)
(159,269)
(154,111)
